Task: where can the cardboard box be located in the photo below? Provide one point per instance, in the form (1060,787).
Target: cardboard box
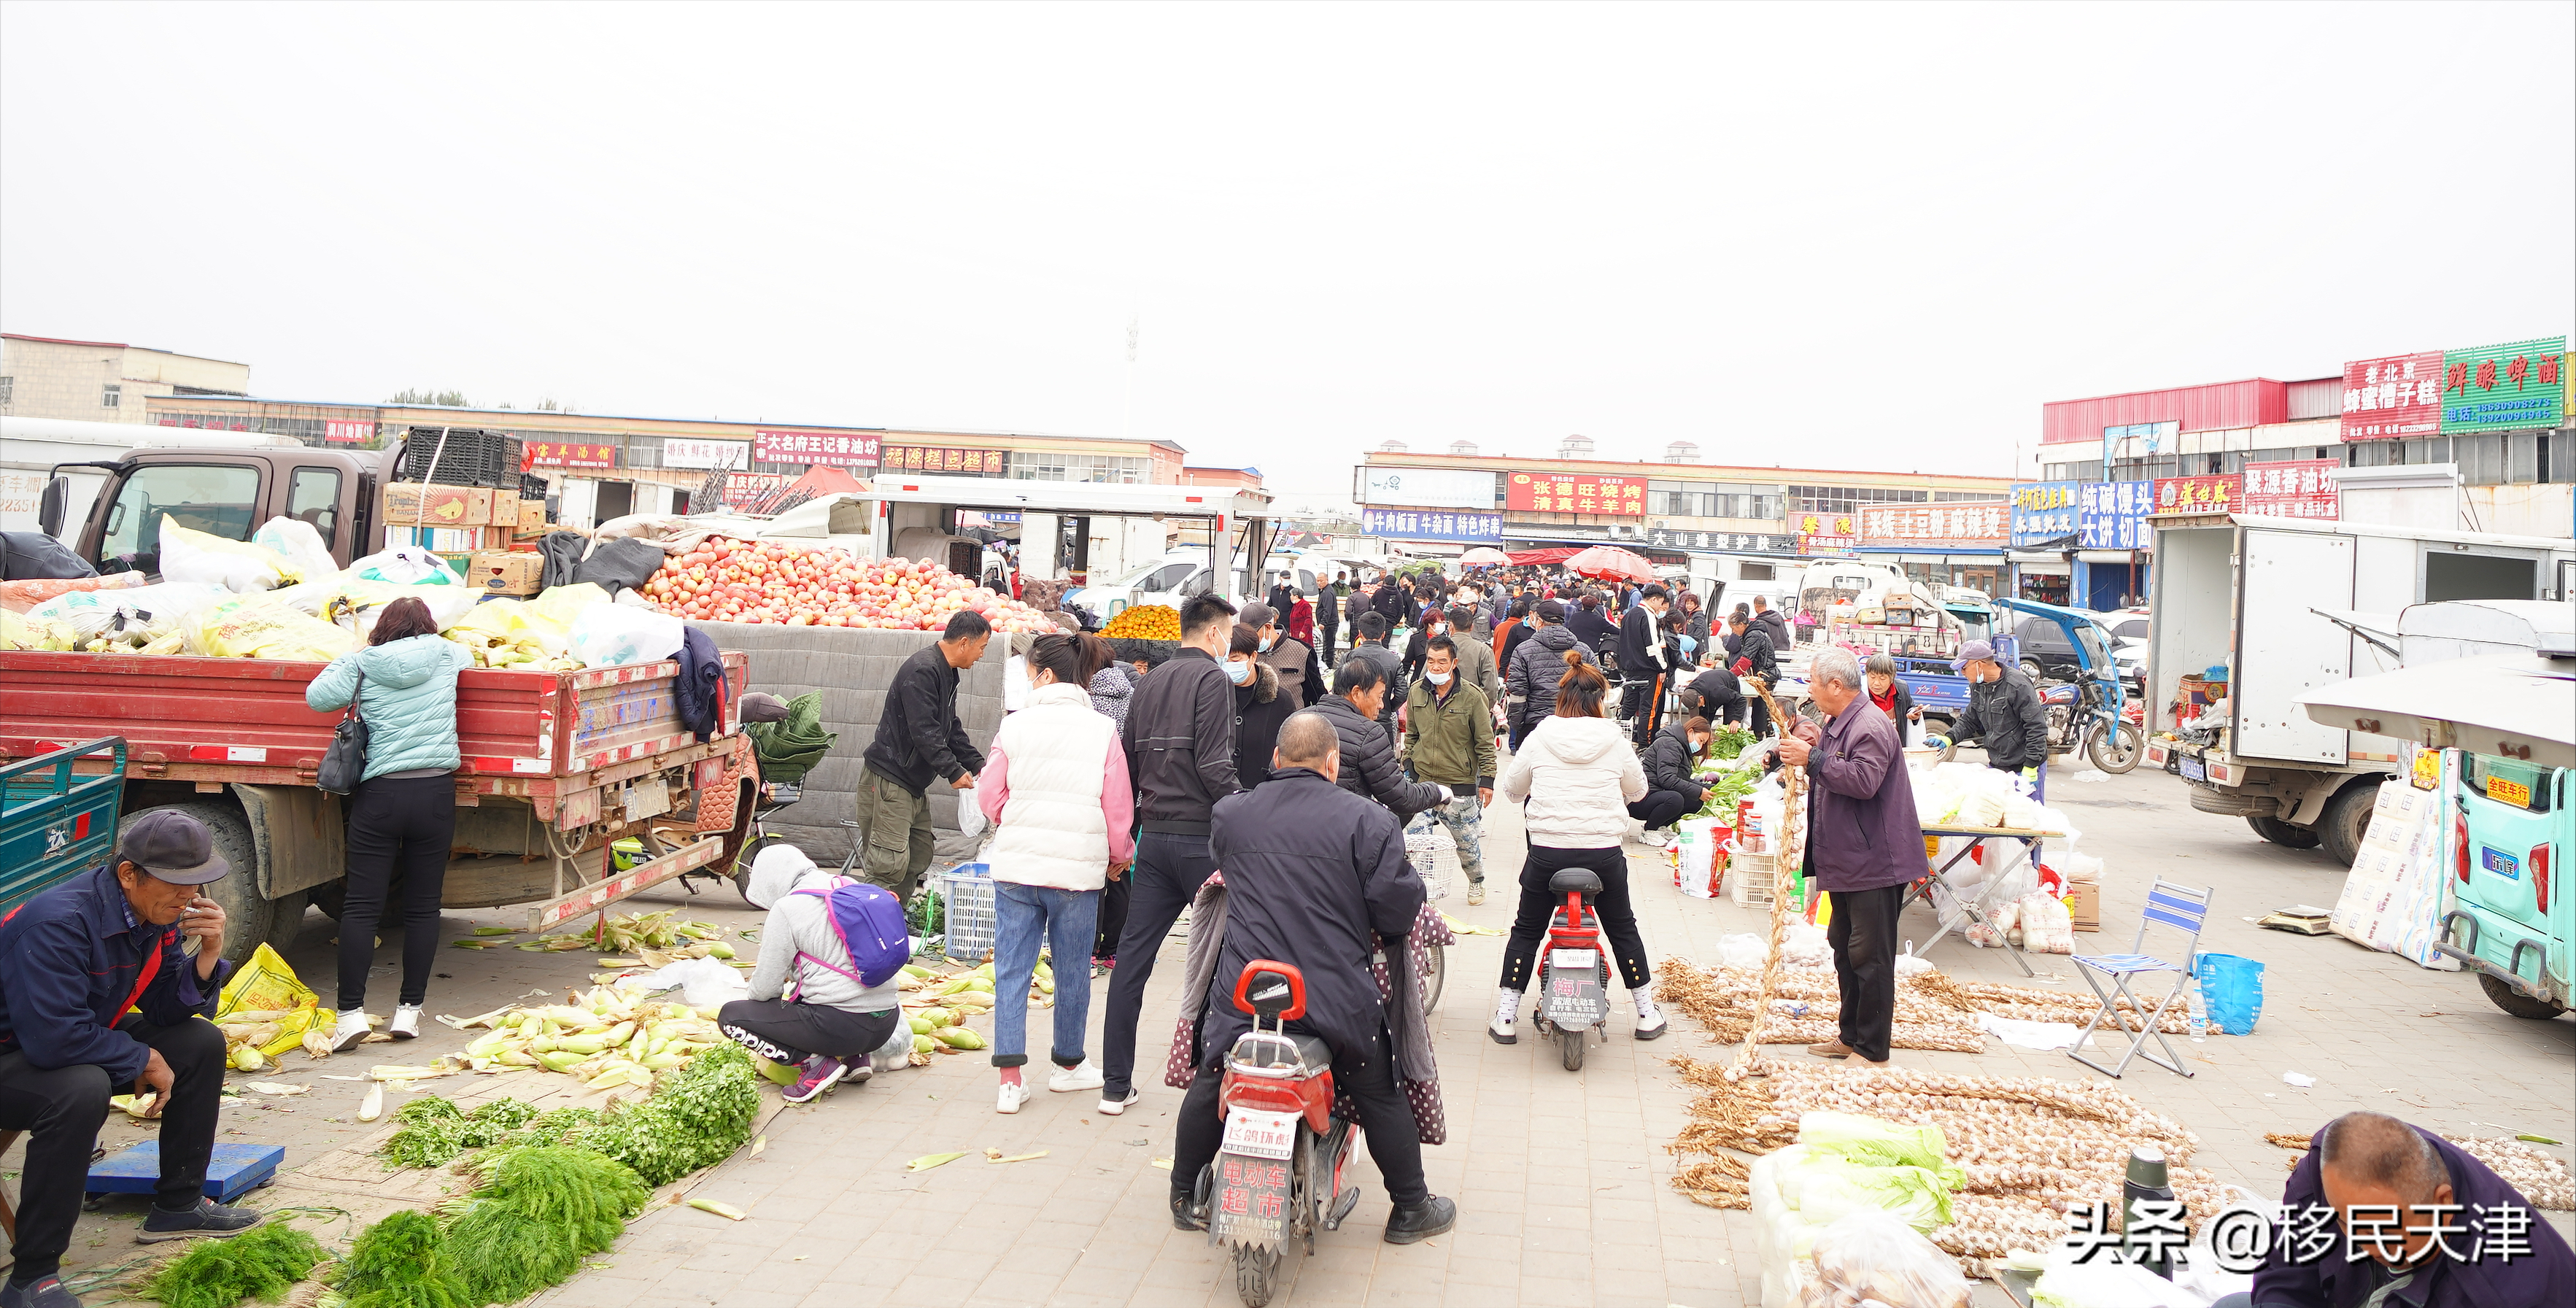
(426,504)
(505,509)
(449,540)
(507,572)
(2087,908)
(532,517)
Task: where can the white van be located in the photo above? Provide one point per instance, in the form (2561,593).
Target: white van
(1176,578)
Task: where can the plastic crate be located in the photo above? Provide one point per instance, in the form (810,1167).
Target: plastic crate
(1748,876)
(966,896)
(471,457)
(532,487)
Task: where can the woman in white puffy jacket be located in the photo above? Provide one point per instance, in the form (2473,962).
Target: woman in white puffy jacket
(1575,777)
(1055,788)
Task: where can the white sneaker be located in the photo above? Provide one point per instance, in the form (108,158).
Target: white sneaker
(1066,1080)
(1014,1094)
(1113,1107)
(406,1023)
(351,1029)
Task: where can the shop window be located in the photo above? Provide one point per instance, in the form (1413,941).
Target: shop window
(111,396)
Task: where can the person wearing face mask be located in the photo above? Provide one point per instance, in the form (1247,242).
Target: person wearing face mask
(1261,703)
(2003,711)
(1476,664)
(1301,678)
(1435,622)
(1357,710)
(1449,736)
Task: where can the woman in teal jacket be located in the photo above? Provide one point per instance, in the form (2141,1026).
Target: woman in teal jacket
(403,815)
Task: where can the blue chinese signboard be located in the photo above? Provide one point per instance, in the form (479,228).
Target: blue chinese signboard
(2042,511)
(2113,515)
(1433,524)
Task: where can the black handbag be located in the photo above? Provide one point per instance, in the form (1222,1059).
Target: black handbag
(344,765)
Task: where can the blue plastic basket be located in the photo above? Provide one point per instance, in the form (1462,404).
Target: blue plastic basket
(967,893)
(2232,989)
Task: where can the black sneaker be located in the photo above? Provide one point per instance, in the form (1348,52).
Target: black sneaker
(208,1220)
(1185,1214)
(43,1292)
(1433,1216)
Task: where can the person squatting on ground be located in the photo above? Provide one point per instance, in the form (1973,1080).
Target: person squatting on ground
(1864,845)
(73,961)
(1063,814)
(1575,777)
(1180,755)
(1449,738)
(1316,878)
(919,742)
(402,817)
(1671,788)
(832,1019)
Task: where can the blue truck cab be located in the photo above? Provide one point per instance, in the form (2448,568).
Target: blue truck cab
(2511,825)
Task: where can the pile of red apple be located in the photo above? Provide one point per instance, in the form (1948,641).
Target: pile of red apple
(728,580)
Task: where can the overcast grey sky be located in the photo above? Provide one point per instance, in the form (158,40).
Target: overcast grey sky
(1829,235)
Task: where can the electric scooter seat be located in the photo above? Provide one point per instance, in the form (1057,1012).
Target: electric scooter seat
(1575,880)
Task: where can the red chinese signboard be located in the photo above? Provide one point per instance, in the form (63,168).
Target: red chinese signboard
(2293,488)
(1575,492)
(347,433)
(839,449)
(2219,494)
(1946,522)
(2397,396)
(571,454)
(944,459)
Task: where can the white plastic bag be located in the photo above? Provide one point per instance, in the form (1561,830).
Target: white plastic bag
(2046,926)
(299,543)
(1742,949)
(1806,946)
(159,608)
(609,635)
(406,565)
(970,810)
(195,556)
(895,1052)
(1871,1257)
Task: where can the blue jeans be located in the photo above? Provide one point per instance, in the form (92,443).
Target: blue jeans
(1065,920)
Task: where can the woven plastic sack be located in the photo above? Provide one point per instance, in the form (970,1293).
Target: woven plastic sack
(299,543)
(266,984)
(406,565)
(90,613)
(20,596)
(258,627)
(238,566)
(18,631)
(612,635)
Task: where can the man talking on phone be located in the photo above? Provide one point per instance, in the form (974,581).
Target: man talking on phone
(73,960)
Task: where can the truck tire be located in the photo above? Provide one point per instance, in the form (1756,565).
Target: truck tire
(2347,819)
(249,920)
(2283,834)
(2515,1002)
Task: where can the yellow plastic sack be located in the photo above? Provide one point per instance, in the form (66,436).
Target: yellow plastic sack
(188,554)
(266,984)
(517,621)
(561,604)
(259,627)
(17,631)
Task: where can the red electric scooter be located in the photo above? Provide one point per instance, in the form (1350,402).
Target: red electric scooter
(1573,969)
(1278,1174)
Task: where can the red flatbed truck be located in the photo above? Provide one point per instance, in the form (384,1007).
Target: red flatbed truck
(558,767)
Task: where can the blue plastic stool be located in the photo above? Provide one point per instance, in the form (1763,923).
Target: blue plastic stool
(234,1171)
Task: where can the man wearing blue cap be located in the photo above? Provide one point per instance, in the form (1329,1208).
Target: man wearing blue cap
(72,961)
(2003,711)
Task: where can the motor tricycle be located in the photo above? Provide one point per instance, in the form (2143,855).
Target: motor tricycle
(1573,968)
(1278,1172)
(2088,716)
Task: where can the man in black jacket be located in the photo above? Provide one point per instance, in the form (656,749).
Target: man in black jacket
(1755,658)
(1180,756)
(919,742)
(1368,641)
(1283,594)
(1644,661)
(1393,603)
(1772,622)
(1368,758)
(2003,711)
(1720,695)
(1314,879)
(1538,663)
(1587,625)
(1328,614)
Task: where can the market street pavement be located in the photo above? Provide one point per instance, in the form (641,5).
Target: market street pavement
(1562,1179)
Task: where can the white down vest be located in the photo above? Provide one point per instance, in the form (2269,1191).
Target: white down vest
(1054,832)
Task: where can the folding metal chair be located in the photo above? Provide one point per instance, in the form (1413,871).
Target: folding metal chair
(2179,907)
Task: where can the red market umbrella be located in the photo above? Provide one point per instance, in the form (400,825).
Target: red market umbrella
(1484,554)
(1610,561)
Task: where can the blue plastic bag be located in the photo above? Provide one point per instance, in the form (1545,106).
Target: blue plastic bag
(2232,988)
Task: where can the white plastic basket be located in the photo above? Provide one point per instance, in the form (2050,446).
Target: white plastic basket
(1749,876)
(1433,855)
(966,891)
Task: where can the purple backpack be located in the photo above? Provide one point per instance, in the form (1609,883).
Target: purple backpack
(869,920)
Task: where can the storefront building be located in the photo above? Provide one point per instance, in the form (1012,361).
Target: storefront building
(1727,524)
(599,467)
(1956,544)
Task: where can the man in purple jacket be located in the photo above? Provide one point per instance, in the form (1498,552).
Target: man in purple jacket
(2385,1213)
(1864,845)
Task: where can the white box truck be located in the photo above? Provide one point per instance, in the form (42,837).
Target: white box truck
(2276,607)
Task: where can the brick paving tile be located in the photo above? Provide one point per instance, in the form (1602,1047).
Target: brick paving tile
(1563,1185)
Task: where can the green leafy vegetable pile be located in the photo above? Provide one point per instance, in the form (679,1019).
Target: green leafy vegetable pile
(699,1117)
(261,1263)
(434,1130)
(399,1263)
(1729,741)
(543,1211)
